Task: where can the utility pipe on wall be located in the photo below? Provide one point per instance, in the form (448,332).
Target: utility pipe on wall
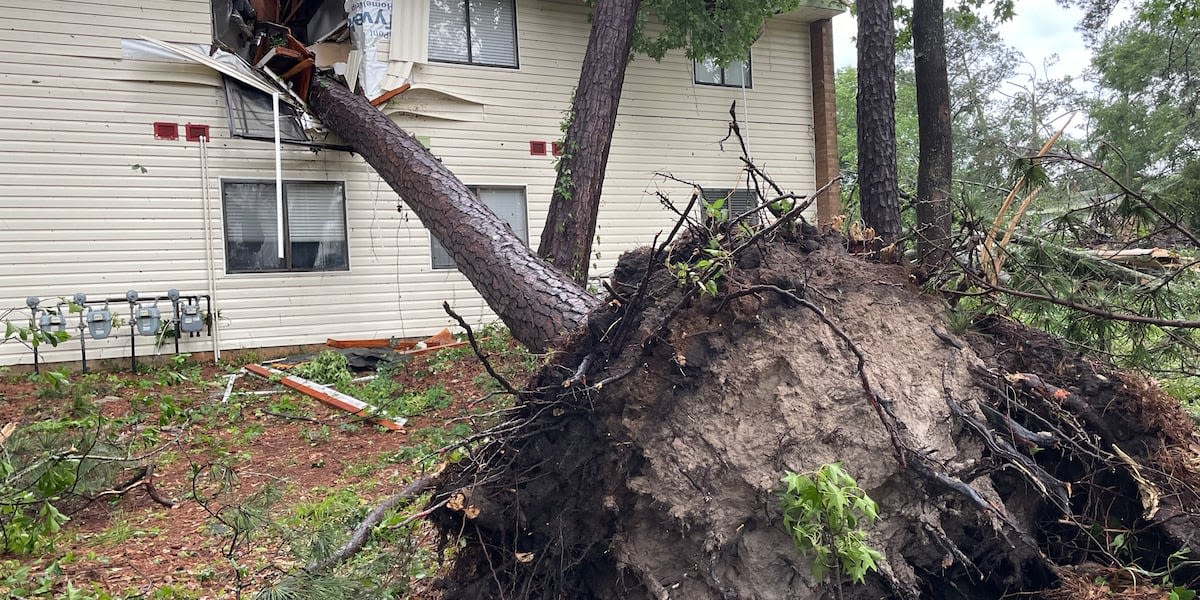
(278,174)
(209,259)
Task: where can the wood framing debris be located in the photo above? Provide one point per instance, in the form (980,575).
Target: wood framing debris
(437,341)
(327,395)
(232,378)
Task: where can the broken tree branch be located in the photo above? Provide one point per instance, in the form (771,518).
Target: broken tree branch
(144,478)
(1174,223)
(483,358)
(358,539)
(1091,310)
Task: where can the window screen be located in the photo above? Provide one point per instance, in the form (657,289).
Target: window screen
(737,74)
(314,227)
(507,203)
(481,32)
(738,201)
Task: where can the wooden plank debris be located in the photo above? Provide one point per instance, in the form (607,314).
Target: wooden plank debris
(327,395)
(438,341)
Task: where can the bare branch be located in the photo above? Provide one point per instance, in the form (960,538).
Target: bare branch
(483,358)
(358,539)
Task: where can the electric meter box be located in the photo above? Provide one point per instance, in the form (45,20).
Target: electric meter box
(190,320)
(148,319)
(99,322)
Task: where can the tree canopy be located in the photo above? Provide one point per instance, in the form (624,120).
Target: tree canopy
(722,30)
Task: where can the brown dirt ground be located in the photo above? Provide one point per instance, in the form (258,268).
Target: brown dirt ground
(177,546)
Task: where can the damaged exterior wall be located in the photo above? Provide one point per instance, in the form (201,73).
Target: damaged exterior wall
(93,203)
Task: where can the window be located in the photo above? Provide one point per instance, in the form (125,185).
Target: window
(251,115)
(737,74)
(314,226)
(737,201)
(477,32)
(507,202)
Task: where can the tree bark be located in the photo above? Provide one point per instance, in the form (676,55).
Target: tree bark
(571,223)
(535,301)
(877,119)
(936,137)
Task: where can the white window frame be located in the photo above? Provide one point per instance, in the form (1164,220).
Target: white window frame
(287,242)
(440,259)
(470,60)
(724,73)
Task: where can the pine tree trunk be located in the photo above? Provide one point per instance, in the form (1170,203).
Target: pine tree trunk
(877,119)
(933,115)
(535,301)
(571,223)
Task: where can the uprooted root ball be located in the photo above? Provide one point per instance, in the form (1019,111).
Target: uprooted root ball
(645,462)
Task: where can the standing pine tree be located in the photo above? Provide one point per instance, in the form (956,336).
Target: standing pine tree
(936,137)
(877,119)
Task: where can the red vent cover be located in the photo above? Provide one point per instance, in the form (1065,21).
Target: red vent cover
(537,148)
(194,132)
(166,131)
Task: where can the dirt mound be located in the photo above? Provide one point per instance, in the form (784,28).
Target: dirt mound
(645,461)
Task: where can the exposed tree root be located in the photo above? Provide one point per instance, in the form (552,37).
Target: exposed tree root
(644,461)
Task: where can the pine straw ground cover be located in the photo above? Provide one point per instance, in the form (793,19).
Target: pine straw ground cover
(259,486)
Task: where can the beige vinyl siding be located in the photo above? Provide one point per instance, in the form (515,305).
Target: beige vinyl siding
(77,215)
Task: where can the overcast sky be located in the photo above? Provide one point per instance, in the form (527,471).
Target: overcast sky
(1040,29)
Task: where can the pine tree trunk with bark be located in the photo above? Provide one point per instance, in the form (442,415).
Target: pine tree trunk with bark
(571,223)
(537,302)
(936,138)
(877,119)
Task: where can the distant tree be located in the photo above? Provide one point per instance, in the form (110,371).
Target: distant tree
(979,66)
(1147,115)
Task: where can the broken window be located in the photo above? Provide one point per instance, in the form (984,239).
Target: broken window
(314,226)
(271,35)
(251,115)
(737,74)
(477,32)
(507,202)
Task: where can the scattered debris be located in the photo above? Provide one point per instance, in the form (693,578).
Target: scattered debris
(327,395)
(1150,259)
(229,385)
(441,339)
(6,432)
